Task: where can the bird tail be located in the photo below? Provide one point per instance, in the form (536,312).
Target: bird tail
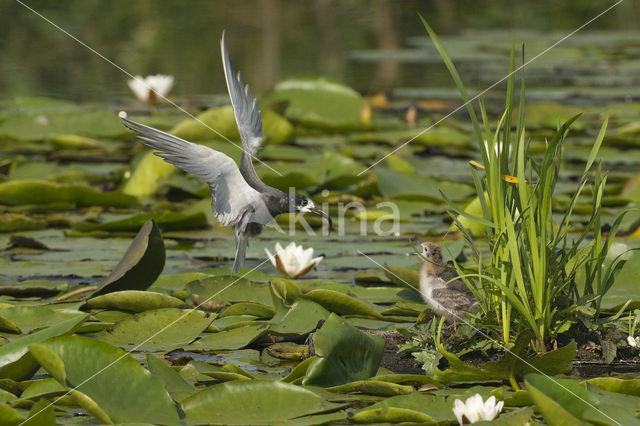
(242,241)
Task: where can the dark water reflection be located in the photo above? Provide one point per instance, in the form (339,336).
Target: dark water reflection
(269,40)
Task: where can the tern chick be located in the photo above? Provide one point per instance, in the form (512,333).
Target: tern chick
(451,299)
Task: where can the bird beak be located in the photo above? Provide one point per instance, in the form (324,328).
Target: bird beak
(319,212)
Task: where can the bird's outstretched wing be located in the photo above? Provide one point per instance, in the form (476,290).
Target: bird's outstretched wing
(248,117)
(234,201)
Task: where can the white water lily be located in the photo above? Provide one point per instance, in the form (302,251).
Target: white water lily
(633,341)
(474,410)
(293,261)
(151,87)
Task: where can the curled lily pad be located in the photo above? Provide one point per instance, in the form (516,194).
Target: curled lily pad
(134,301)
(140,265)
(404,408)
(257,310)
(374,387)
(343,354)
(19,192)
(17,363)
(392,415)
(159,329)
(252,402)
(341,303)
(113,380)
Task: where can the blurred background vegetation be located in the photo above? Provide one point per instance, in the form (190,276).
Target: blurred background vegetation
(270,40)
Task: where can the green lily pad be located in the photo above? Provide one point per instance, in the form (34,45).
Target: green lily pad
(146,177)
(252,402)
(121,387)
(374,387)
(32,287)
(167,221)
(341,303)
(13,222)
(140,265)
(551,363)
(343,354)
(29,318)
(134,301)
(157,330)
(177,387)
(232,339)
(561,401)
(43,388)
(227,289)
(613,384)
(257,310)
(393,184)
(317,102)
(45,124)
(15,360)
(275,129)
(303,317)
(18,192)
(415,407)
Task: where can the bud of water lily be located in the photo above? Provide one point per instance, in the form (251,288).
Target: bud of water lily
(293,261)
(152,87)
(474,410)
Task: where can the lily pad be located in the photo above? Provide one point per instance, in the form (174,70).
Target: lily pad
(29,318)
(121,387)
(140,265)
(343,354)
(157,330)
(261,402)
(317,102)
(18,192)
(303,317)
(275,129)
(17,363)
(415,407)
(341,303)
(230,290)
(177,387)
(232,339)
(134,301)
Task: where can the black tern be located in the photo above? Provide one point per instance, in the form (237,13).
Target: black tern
(453,300)
(239,198)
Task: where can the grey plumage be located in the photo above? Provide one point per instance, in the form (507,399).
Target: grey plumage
(239,198)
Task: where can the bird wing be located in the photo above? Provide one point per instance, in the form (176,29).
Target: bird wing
(233,198)
(452,299)
(248,117)
(451,274)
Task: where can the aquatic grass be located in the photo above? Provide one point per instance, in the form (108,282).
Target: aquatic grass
(538,271)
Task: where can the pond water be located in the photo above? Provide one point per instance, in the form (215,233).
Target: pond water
(370,47)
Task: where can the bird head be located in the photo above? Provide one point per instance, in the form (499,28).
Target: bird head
(432,252)
(304,204)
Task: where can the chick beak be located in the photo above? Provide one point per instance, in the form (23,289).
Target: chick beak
(319,212)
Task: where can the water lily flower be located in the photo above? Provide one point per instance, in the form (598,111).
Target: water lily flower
(633,341)
(152,87)
(293,261)
(474,410)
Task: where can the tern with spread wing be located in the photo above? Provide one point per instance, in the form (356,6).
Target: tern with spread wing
(239,198)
